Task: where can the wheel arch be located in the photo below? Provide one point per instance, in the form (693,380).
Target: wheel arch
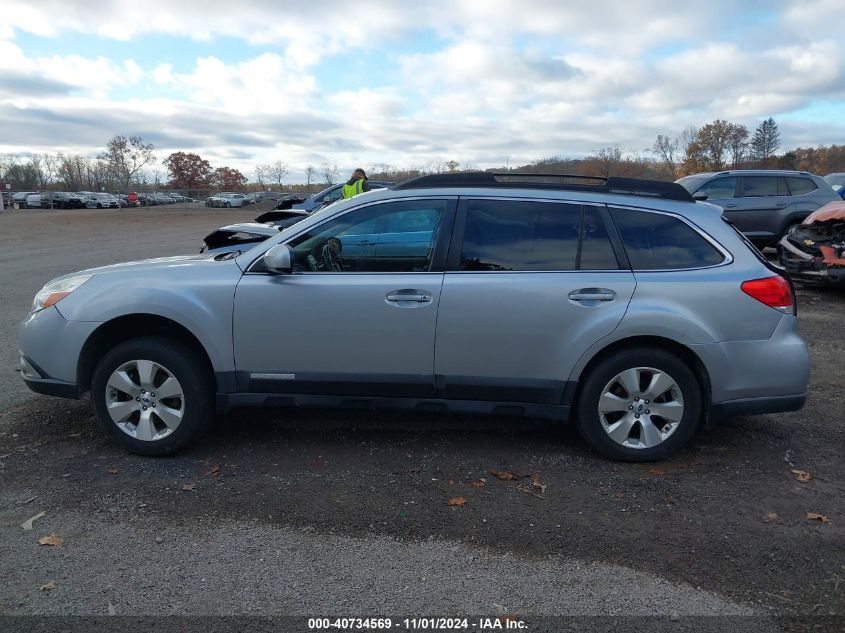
(128,327)
(680,350)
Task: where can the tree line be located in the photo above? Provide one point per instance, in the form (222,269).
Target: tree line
(130,162)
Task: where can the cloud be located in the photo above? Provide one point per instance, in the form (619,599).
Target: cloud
(406,83)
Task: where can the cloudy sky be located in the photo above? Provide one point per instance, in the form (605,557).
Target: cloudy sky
(483,82)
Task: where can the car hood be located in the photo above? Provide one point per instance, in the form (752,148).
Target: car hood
(830,211)
(148,264)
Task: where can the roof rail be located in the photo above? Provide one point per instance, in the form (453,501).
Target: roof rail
(564,182)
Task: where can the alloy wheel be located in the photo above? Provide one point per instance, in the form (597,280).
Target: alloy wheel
(641,407)
(145,400)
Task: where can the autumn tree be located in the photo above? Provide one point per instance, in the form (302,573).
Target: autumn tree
(187,170)
(126,156)
(766,140)
(738,143)
(228,178)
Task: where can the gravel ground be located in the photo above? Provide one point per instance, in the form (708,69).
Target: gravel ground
(304,512)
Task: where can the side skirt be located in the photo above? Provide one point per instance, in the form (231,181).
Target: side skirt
(226,401)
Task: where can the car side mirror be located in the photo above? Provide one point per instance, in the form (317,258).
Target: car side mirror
(278,260)
(699,196)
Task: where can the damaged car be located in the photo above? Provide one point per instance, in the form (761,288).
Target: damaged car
(240,237)
(814,251)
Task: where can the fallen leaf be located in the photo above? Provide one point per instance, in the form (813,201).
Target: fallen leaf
(537,483)
(457,501)
(451,482)
(112,470)
(769,517)
(506,475)
(478,483)
(48,587)
(801,475)
(213,471)
(27,525)
(51,539)
(509,617)
(815,516)
(655,472)
(188,487)
(619,495)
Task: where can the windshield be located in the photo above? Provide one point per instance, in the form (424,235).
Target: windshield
(692,183)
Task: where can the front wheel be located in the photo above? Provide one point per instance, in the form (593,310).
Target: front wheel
(154,395)
(639,405)
(228,205)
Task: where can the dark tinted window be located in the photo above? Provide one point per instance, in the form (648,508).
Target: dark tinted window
(520,235)
(654,241)
(799,186)
(719,188)
(596,250)
(763,186)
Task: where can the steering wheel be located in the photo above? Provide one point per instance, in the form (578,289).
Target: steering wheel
(331,255)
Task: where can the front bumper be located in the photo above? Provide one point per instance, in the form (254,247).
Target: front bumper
(50,348)
(805,267)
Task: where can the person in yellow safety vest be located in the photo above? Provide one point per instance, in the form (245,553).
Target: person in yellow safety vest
(357,184)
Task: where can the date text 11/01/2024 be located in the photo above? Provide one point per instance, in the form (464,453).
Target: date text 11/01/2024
(502,623)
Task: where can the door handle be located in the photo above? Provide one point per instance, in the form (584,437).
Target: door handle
(731,205)
(419,298)
(780,205)
(592,294)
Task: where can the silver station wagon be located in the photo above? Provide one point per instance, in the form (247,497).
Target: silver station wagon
(622,304)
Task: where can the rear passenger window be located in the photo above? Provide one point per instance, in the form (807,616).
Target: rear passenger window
(800,186)
(520,235)
(654,241)
(763,186)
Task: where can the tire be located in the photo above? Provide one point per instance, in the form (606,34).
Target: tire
(146,423)
(228,205)
(628,430)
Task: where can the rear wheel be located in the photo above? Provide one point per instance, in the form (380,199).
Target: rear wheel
(639,405)
(152,394)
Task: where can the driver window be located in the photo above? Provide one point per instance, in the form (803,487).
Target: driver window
(390,237)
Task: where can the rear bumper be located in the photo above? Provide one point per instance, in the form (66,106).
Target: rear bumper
(757,406)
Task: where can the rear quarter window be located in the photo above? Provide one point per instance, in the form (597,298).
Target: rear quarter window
(654,241)
(800,186)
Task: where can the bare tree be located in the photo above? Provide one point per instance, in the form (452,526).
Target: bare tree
(330,172)
(666,149)
(276,171)
(309,174)
(260,175)
(126,156)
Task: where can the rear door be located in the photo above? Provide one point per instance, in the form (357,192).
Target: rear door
(763,204)
(530,285)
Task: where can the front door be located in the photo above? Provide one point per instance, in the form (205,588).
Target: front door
(351,319)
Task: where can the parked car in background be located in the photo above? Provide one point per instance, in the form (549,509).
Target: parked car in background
(814,251)
(61,200)
(244,235)
(763,204)
(626,306)
(19,198)
(333,194)
(229,200)
(101,201)
(33,201)
(837,181)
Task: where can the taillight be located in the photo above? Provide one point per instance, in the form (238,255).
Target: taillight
(774,291)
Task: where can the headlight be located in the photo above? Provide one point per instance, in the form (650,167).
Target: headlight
(55,291)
